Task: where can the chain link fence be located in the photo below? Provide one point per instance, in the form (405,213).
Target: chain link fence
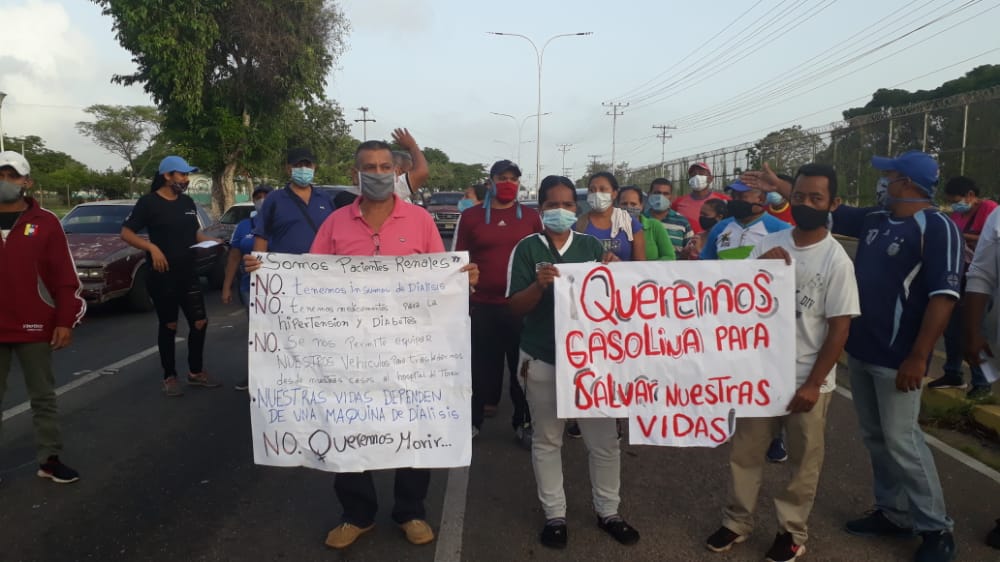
(962,131)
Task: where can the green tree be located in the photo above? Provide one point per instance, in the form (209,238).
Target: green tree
(785,150)
(222,71)
(127,131)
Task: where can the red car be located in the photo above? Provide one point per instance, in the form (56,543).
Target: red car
(110,269)
(443,206)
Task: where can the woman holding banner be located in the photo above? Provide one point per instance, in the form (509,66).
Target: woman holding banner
(533,268)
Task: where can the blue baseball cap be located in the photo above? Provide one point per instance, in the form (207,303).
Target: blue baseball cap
(920,167)
(175,164)
(739,186)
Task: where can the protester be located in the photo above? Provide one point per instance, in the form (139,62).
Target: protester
(474,195)
(969,213)
(411,166)
(778,206)
(533,267)
(378,223)
(982,291)
(678,227)
(826,300)
(712,213)
(908,267)
(38,272)
(288,219)
(240,245)
(615,228)
(734,237)
(659,247)
(171,218)
(700,181)
(489,233)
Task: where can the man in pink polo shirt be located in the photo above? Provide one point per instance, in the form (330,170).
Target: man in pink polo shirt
(700,181)
(379,223)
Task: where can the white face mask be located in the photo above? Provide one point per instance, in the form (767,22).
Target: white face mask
(698,183)
(599,202)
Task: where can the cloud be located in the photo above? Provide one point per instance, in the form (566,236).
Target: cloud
(401,20)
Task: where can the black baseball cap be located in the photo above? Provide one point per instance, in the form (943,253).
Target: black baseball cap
(297,155)
(262,188)
(503,166)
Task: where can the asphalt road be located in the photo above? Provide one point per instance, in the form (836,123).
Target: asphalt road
(173,479)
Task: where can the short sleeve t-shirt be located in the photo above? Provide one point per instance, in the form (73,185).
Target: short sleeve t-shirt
(538,336)
(172,225)
(972,223)
(402,188)
(900,264)
(282,220)
(620,245)
(731,240)
(490,245)
(690,208)
(824,288)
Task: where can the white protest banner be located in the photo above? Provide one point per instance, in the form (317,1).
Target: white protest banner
(683,348)
(360,362)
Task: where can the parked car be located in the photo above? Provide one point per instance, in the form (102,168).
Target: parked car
(110,269)
(233,216)
(334,190)
(443,206)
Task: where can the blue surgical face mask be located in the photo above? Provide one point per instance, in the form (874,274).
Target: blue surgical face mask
(558,220)
(961,207)
(659,202)
(464,204)
(882,191)
(302,176)
(774,199)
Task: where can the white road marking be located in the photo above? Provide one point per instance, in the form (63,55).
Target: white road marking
(449,539)
(89,377)
(945,448)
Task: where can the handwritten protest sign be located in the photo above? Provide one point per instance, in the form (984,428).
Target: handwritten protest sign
(360,363)
(681,348)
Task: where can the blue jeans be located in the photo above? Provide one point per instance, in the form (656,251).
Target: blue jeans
(954,341)
(906,484)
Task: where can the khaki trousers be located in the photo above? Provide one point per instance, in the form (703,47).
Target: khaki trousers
(804,439)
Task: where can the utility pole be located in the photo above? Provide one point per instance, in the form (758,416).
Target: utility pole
(364,123)
(564,148)
(614,113)
(663,136)
(593,161)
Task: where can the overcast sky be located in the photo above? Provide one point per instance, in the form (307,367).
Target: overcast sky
(722,71)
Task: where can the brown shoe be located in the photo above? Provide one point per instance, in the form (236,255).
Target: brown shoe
(345,534)
(171,387)
(418,531)
(202,379)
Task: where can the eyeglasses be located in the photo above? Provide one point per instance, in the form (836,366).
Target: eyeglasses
(378,244)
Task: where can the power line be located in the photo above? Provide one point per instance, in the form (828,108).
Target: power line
(782,94)
(737,104)
(564,148)
(614,113)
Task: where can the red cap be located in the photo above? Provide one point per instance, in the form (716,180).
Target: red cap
(701,165)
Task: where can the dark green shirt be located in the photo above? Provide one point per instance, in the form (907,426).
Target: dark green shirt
(538,339)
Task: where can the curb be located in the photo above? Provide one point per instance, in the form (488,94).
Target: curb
(940,400)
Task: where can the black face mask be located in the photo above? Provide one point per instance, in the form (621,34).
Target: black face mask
(808,218)
(707,223)
(741,209)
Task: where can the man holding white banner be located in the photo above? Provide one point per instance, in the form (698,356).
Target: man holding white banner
(826,298)
(399,386)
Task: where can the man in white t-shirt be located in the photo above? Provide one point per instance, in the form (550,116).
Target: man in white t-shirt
(826,299)
(411,166)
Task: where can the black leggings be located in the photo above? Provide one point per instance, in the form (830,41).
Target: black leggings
(178,288)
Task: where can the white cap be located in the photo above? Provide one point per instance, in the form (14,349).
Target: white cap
(16,161)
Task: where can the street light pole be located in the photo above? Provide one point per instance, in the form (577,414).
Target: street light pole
(539,55)
(520,129)
(2,96)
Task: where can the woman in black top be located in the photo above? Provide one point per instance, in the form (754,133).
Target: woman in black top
(171,218)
